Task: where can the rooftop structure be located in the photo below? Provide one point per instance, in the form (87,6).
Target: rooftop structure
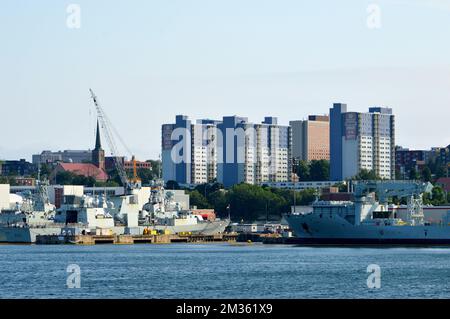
(84,169)
(67,156)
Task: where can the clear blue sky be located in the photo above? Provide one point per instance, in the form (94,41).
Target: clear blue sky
(150,60)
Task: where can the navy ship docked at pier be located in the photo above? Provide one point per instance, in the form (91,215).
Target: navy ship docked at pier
(370,219)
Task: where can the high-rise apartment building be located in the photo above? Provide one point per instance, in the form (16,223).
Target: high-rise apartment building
(204,157)
(230,151)
(176,150)
(311,138)
(189,151)
(253,153)
(236,147)
(279,145)
(361,141)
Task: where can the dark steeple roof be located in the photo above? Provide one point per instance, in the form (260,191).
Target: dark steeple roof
(98,143)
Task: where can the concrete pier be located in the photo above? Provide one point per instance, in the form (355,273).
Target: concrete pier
(131,239)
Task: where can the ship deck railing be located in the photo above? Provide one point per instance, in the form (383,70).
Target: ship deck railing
(44,225)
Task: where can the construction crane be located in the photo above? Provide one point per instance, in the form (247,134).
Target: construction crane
(135,182)
(388,189)
(411,190)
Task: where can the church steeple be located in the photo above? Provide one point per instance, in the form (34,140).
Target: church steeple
(98,154)
(98,142)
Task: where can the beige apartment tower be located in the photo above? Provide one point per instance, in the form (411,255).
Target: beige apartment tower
(311,138)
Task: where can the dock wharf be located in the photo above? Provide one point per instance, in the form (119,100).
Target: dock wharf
(133,239)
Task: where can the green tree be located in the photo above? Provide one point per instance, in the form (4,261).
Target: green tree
(156,168)
(342,187)
(107,184)
(218,200)
(413,175)
(306,197)
(441,171)
(13,181)
(113,176)
(64,178)
(197,199)
(303,171)
(146,175)
(45,171)
(172,185)
(426,174)
(69,178)
(367,175)
(398,174)
(319,170)
(207,188)
(251,202)
(437,197)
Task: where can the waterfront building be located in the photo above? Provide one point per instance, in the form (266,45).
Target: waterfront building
(110,162)
(361,141)
(81,169)
(311,138)
(25,181)
(17,168)
(67,156)
(441,154)
(96,169)
(406,160)
(127,165)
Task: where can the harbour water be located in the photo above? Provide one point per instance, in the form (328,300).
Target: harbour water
(222,271)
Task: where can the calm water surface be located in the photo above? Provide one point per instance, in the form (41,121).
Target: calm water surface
(222,271)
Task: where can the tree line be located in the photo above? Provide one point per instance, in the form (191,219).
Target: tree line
(246,202)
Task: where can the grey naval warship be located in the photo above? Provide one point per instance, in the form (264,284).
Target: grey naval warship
(33,216)
(162,213)
(86,214)
(369,219)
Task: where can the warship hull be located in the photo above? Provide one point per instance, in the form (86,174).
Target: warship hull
(332,229)
(206,228)
(25,235)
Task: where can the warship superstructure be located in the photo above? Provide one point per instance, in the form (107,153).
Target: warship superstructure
(33,216)
(162,213)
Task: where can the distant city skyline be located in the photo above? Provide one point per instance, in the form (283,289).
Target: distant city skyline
(152,60)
